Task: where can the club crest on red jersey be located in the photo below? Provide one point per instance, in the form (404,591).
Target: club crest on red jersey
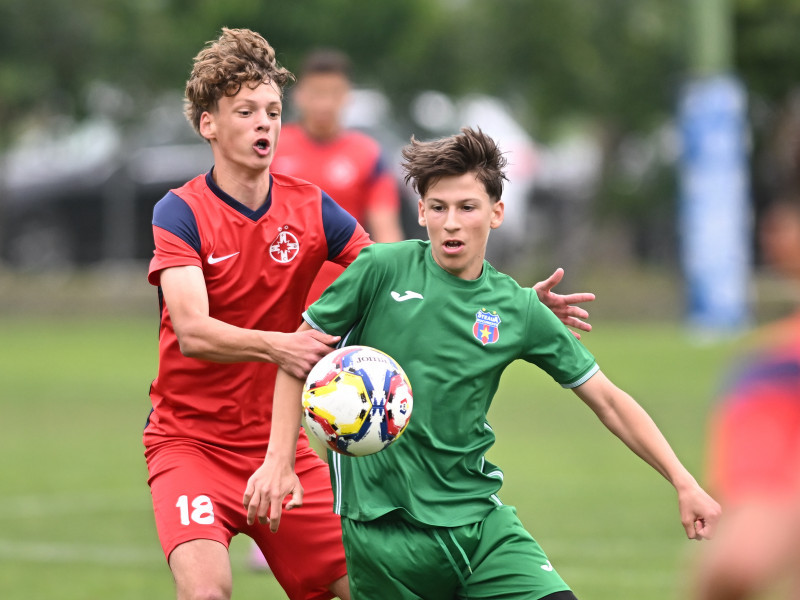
(487,326)
(285,246)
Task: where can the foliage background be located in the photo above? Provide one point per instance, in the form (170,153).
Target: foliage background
(607,71)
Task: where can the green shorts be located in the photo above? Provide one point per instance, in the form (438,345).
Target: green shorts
(495,558)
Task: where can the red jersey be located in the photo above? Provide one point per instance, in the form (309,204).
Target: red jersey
(755,431)
(258,267)
(350,168)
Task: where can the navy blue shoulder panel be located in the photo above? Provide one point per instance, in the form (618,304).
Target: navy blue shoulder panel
(380,167)
(755,372)
(772,370)
(174,215)
(338,224)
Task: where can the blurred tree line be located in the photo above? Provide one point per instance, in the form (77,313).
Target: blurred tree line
(611,68)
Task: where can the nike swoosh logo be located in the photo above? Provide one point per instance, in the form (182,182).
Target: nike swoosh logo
(409,295)
(212,260)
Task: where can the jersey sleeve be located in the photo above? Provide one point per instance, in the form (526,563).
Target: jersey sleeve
(176,237)
(344,235)
(341,305)
(383,191)
(552,347)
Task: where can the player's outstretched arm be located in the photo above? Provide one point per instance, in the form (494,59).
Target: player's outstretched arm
(626,419)
(563,306)
(275,478)
(202,336)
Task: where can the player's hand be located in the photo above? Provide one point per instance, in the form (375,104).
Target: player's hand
(563,306)
(266,490)
(297,352)
(700,513)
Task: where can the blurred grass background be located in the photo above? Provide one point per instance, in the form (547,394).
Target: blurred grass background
(75,514)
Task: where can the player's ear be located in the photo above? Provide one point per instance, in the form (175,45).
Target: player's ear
(208,126)
(498,213)
(421,218)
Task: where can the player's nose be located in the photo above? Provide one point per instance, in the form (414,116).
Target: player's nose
(451,221)
(263,122)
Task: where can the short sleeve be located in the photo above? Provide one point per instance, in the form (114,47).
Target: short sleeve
(551,346)
(384,192)
(344,302)
(176,237)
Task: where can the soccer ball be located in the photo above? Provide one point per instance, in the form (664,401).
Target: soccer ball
(357,400)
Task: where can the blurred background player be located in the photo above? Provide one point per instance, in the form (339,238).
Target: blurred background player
(347,164)
(754,447)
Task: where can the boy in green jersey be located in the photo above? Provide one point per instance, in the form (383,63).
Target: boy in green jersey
(422,519)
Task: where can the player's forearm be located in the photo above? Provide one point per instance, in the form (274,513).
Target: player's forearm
(287,411)
(626,419)
(638,431)
(209,339)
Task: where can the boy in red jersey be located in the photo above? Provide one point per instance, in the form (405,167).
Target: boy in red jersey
(345,163)
(236,252)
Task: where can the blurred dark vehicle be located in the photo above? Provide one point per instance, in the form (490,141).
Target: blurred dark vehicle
(86,195)
(433,114)
(73,196)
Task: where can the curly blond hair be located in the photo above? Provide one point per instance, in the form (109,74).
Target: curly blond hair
(237,57)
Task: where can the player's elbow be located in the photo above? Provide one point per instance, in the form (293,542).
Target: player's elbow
(732,584)
(731,572)
(191,344)
(190,350)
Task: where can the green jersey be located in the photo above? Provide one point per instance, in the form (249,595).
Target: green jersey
(453,338)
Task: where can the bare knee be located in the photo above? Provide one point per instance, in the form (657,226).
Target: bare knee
(202,571)
(204,592)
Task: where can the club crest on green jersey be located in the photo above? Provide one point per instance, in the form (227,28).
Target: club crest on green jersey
(487,326)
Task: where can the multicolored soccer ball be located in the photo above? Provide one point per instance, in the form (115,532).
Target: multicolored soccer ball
(357,400)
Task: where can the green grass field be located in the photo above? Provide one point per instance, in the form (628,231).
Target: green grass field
(75,514)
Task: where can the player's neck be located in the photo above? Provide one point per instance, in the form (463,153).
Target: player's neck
(250,188)
(320,135)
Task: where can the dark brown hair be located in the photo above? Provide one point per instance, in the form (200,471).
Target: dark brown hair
(471,151)
(237,57)
(326,60)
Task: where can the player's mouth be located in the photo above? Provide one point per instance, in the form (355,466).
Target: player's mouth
(262,146)
(452,246)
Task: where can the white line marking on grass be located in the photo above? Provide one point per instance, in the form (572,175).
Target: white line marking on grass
(60,503)
(621,579)
(77,553)
(618,549)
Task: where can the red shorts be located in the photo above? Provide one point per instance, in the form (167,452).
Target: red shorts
(197,493)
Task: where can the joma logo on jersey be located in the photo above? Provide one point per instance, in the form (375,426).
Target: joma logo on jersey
(284,247)
(487,326)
